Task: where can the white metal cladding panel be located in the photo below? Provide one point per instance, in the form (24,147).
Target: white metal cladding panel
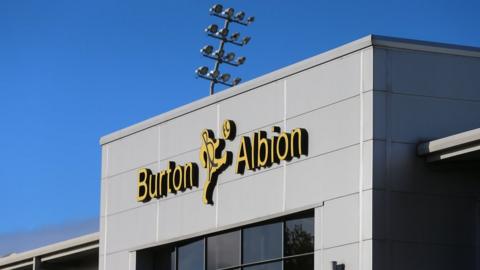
(323,177)
(117,261)
(182,134)
(251,197)
(131,228)
(324,84)
(132,152)
(332,127)
(255,109)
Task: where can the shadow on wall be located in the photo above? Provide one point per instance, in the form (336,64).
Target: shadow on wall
(26,240)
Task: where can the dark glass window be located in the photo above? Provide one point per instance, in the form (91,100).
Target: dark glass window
(267,266)
(281,244)
(297,263)
(299,236)
(262,242)
(190,256)
(223,250)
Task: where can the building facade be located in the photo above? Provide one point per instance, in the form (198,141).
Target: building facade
(343,161)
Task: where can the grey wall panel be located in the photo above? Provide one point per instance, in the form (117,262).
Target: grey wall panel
(418,256)
(182,134)
(332,127)
(184,215)
(250,197)
(118,261)
(415,118)
(434,75)
(432,219)
(346,254)
(133,151)
(324,84)
(323,177)
(131,228)
(341,221)
(255,109)
(122,191)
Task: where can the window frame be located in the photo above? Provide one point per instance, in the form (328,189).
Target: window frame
(283,219)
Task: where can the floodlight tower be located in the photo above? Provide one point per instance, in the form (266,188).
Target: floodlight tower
(219,55)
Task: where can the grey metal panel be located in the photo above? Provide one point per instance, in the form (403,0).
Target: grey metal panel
(122,191)
(184,215)
(332,127)
(183,134)
(251,197)
(419,256)
(321,178)
(341,221)
(434,75)
(346,254)
(410,173)
(323,85)
(255,109)
(133,151)
(416,118)
(118,261)
(432,219)
(131,228)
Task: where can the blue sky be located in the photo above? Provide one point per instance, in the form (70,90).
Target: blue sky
(73,71)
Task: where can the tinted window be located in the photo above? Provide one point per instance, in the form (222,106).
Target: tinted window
(190,256)
(299,236)
(267,266)
(297,263)
(262,242)
(223,250)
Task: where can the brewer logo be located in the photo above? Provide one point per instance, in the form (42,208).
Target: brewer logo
(255,152)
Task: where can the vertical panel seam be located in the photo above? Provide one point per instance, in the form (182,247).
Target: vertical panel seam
(360,176)
(218,186)
(157,231)
(105,217)
(284,195)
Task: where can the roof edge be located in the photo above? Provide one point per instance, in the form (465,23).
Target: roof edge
(359,44)
(319,59)
(446,143)
(52,248)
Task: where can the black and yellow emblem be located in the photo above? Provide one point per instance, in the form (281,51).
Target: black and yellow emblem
(212,158)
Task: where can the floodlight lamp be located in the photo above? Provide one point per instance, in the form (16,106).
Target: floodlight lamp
(213,74)
(217,8)
(250,19)
(235,36)
(230,56)
(228,12)
(208,49)
(225,77)
(219,53)
(203,70)
(246,40)
(212,28)
(241,60)
(223,32)
(236,81)
(240,15)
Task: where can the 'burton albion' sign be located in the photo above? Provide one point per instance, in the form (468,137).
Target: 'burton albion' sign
(255,152)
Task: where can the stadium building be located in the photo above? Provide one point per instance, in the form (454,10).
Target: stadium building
(363,157)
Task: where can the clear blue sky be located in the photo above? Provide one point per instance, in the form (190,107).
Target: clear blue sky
(72,71)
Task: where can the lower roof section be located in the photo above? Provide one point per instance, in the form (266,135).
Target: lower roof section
(73,249)
(463,146)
